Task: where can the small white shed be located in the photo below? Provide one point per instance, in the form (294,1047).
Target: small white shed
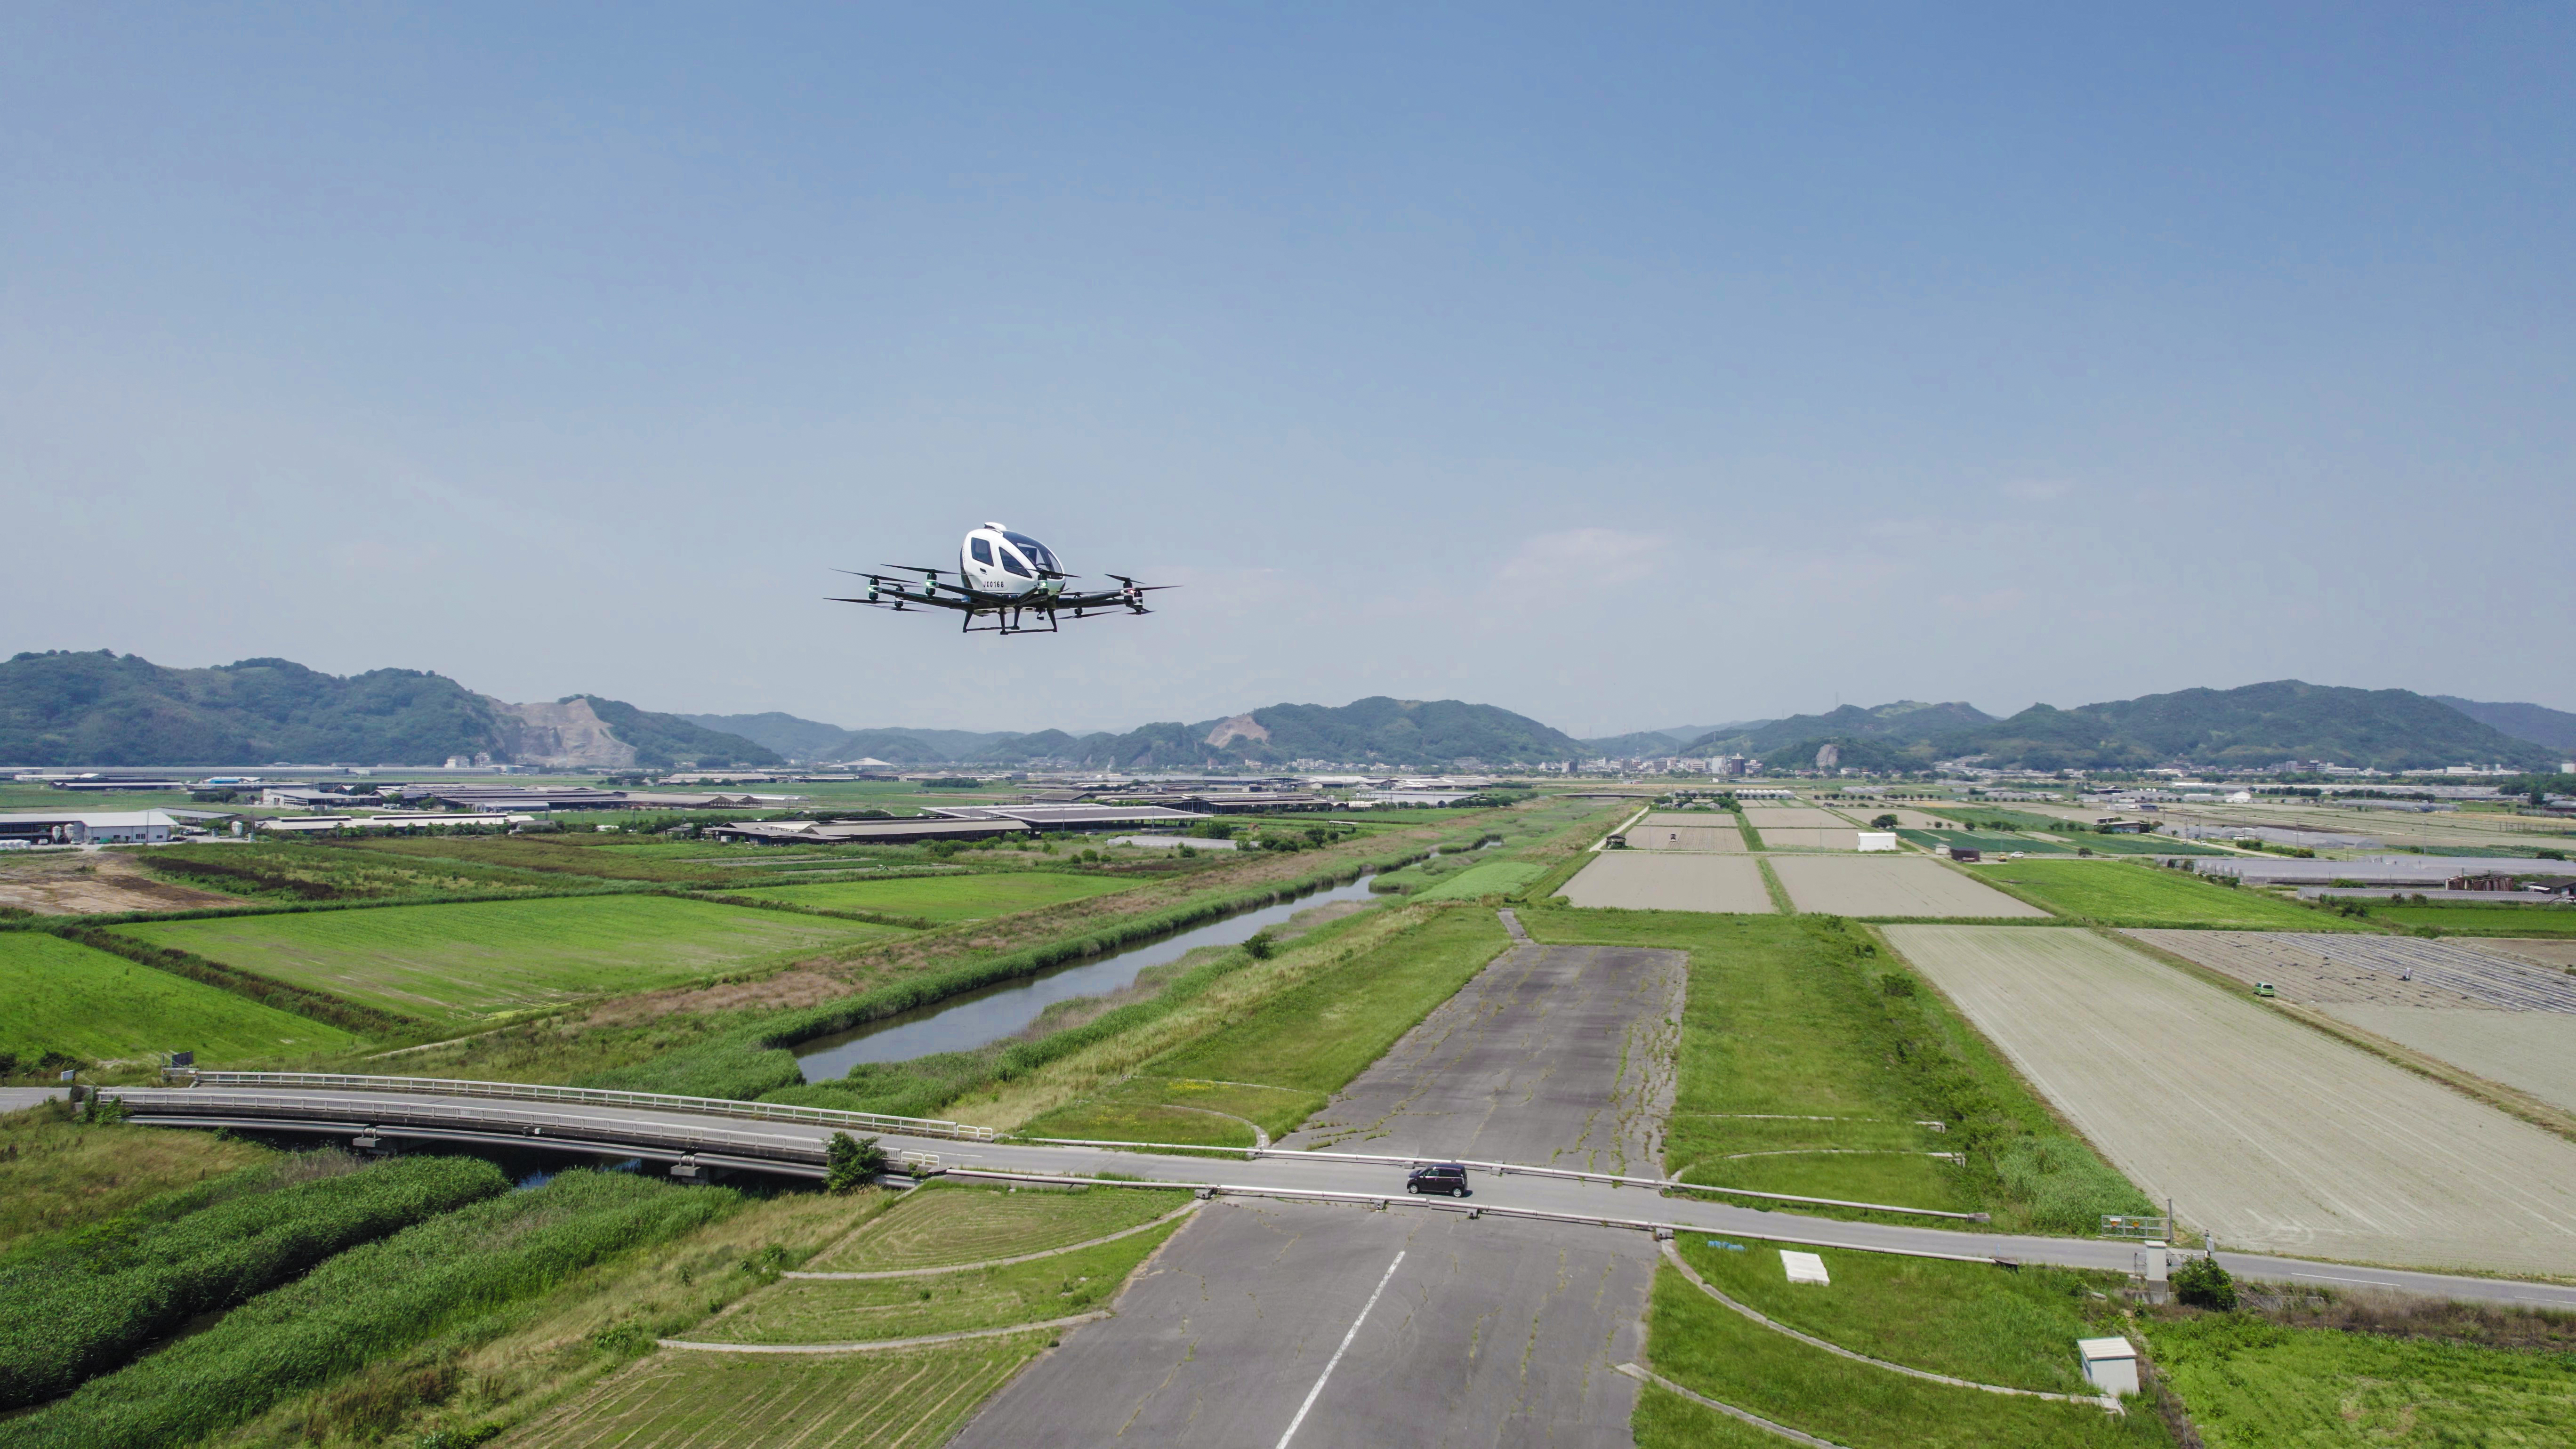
(1878,840)
(2110,1364)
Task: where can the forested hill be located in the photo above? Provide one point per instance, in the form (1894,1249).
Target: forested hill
(2257,725)
(2537,723)
(1395,733)
(65,708)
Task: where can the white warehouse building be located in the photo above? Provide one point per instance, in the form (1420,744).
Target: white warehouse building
(110,827)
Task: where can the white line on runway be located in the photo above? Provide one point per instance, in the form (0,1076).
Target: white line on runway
(1383,1280)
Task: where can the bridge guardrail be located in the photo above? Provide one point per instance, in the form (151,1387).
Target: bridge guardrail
(595,1097)
(532,1125)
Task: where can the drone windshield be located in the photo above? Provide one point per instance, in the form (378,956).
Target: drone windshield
(1038,553)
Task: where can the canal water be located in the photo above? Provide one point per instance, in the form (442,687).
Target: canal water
(962,1023)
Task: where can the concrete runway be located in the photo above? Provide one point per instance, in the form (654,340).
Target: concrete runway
(1560,1056)
(1260,1316)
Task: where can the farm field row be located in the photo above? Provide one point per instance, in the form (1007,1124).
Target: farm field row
(2127,893)
(465,962)
(1659,881)
(2268,1135)
(1889,886)
(1675,833)
(953,897)
(64,996)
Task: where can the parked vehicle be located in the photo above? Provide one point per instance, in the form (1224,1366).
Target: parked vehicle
(1448,1177)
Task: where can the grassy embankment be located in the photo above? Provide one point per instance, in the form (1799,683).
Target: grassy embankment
(1266,1041)
(365,1306)
(2253,1383)
(59,1175)
(1710,1349)
(913,1396)
(2468,918)
(2121,893)
(1790,1019)
(67,997)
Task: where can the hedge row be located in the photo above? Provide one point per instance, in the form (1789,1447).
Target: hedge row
(365,1303)
(301,1000)
(66,1320)
(752,1058)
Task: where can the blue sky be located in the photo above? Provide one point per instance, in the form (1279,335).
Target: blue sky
(1625,367)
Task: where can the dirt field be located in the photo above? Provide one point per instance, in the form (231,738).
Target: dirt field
(87,882)
(1686,837)
(2534,1051)
(2561,954)
(2272,1136)
(1881,885)
(2319,970)
(1806,817)
(1801,839)
(1726,884)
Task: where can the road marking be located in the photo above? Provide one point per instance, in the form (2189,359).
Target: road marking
(2331,1278)
(1318,1389)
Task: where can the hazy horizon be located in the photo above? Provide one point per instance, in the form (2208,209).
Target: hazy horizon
(1612,367)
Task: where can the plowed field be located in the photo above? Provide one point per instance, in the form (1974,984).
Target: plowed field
(1889,886)
(2270,1135)
(1802,839)
(1797,817)
(1697,835)
(1640,881)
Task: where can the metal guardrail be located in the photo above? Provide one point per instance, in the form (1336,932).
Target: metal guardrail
(595,1097)
(1520,1169)
(533,1126)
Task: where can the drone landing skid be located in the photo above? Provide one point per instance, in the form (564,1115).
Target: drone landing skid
(1009,621)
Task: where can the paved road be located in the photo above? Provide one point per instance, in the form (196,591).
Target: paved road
(1554,1055)
(1363,1327)
(1482,1333)
(1284,1173)
(19,1099)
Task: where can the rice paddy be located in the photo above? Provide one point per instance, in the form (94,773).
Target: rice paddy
(954,897)
(470,961)
(2122,893)
(1669,881)
(63,996)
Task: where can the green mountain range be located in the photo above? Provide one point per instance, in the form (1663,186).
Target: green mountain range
(2257,725)
(62,708)
(1378,730)
(65,708)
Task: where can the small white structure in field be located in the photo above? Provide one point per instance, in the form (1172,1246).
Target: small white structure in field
(1878,840)
(2110,1364)
(1804,1267)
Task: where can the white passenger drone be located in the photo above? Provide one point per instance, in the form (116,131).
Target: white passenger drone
(1005,577)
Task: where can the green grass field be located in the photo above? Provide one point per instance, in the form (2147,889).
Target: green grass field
(2476,919)
(1968,1320)
(1787,1020)
(1498,877)
(1059,1286)
(63,996)
(905,1399)
(954,897)
(2120,893)
(2250,1383)
(946,1224)
(460,962)
(1705,1346)
(1180,1110)
(1316,1036)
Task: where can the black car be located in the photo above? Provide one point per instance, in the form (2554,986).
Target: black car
(1448,1177)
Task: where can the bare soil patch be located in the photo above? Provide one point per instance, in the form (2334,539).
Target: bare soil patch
(1795,817)
(1805,839)
(1699,836)
(1889,886)
(2530,1051)
(1646,881)
(100,882)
